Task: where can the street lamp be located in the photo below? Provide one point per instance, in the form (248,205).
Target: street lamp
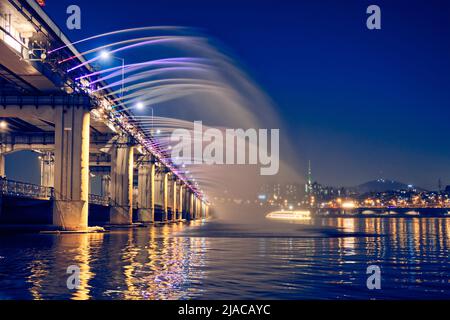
(105,55)
(141,106)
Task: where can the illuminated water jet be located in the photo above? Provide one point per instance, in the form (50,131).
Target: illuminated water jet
(195,81)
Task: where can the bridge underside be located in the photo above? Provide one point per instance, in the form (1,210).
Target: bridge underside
(44,110)
(73,146)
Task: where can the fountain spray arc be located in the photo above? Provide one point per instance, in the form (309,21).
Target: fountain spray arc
(184,78)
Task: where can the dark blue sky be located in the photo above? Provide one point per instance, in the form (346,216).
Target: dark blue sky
(360,104)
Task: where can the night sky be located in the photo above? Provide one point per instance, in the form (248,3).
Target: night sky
(360,104)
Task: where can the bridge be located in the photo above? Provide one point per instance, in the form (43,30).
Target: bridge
(78,133)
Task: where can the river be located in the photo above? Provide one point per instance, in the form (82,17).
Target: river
(321,259)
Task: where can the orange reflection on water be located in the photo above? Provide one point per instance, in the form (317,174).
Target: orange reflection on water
(73,250)
(156,263)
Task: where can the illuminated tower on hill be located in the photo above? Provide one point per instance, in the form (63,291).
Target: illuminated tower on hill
(308,185)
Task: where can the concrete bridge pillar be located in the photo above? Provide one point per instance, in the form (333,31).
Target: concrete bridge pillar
(165,196)
(192,206)
(122,161)
(146,190)
(2,165)
(106,185)
(47,169)
(185,209)
(180,201)
(174,198)
(71,175)
(200,209)
(169,197)
(159,194)
(203,209)
(195,207)
(187,204)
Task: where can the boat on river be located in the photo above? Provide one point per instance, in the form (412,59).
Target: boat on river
(290,215)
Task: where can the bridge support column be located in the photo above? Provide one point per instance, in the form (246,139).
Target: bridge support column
(187,205)
(165,196)
(106,185)
(174,199)
(47,170)
(2,165)
(158,202)
(146,190)
(122,159)
(71,176)
(200,208)
(192,206)
(180,201)
(184,212)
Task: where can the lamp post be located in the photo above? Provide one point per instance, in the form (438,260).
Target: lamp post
(104,55)
(141,106)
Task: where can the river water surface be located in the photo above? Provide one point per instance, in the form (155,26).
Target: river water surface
(321,259)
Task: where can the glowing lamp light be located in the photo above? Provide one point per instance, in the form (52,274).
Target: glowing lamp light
(140,105)
(3,124)
(348,205)
(104,55)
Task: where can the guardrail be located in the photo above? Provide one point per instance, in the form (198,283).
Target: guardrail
(28,190)
(99,200)
(25,190)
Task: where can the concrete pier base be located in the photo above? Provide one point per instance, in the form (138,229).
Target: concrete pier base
(145,215)
(70,215)
(120,215)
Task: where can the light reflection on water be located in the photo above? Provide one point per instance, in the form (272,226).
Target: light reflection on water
(326,259)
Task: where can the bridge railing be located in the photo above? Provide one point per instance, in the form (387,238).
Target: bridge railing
(99,200)
(27,190)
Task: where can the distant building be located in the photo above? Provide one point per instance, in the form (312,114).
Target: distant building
(281,194)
